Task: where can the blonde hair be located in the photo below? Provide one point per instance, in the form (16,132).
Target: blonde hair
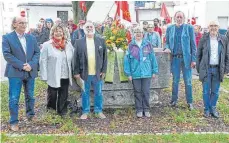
(54,28)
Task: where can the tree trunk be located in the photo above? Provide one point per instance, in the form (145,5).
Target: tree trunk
(78,14)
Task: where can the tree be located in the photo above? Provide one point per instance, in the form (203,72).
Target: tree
(78,14)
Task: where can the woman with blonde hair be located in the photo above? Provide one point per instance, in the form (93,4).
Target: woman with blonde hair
(55,68)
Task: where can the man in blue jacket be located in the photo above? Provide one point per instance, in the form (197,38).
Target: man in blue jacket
(22,54)
(180,42)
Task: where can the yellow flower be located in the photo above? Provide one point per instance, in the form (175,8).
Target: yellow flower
(112,37)
(108,42)
(115,31)
(119,40)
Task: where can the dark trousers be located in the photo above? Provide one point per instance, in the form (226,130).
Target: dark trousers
(57,97)
(141,93)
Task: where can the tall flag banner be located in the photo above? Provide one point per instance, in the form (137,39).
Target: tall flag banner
(124,6)
(165,14)
(83,6)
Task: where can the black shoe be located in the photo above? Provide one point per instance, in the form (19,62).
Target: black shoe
(190,106)
(206,114)
(173,103)
(214,113)
(30,118)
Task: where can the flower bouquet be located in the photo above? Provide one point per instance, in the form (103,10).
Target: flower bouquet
(115,37)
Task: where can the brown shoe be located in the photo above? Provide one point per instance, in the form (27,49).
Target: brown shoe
(14,127)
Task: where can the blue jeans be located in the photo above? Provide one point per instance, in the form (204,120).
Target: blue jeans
(177,66)
(211,89)
(98,99)
(15,85)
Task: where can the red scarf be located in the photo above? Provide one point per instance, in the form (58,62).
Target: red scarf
(59,44)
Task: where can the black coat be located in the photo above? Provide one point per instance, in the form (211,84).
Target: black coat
(203,56)
(80,59)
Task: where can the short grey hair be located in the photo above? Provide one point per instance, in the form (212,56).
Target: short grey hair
(176,15)
(54,28)
(138,29)
(14,20)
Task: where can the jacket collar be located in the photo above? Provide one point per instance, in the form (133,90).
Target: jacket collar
(144,42)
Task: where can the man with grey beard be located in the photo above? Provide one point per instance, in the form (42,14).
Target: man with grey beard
(90,65)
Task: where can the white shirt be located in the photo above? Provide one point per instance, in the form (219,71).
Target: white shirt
(64,66)
(22,40)
(139,43)
(214,57)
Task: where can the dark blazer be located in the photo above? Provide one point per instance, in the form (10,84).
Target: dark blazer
(41,37)
(203,56)
(15,56)
(80,60)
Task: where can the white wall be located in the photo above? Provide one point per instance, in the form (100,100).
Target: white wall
(100,9)
(215,9)
(37,12)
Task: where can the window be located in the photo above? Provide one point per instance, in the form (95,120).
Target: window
(223,22)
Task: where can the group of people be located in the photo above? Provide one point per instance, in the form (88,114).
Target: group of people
(82,54)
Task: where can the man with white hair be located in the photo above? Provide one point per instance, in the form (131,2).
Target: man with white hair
(180,42)
(212,64)
(22,54)
(90,64)
(58,21)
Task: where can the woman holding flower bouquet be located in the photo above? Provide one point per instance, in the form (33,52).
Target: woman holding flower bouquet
(140,66)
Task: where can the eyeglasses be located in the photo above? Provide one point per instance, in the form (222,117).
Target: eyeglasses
(150,27)
(179,17)
(138,32)
(89,27)
(213,25)
(23,23)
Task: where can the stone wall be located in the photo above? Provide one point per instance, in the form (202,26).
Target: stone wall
(120,94)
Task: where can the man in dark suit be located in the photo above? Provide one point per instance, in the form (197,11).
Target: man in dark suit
(90,64)
(22,54)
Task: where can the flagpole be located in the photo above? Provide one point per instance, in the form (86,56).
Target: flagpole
(121,13)
(108,12)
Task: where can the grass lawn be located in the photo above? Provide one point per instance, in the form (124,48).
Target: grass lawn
(170,120)
(174,138)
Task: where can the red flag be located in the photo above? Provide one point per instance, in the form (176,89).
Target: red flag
(124,6)
(165,14)
(83,6)
(193,21)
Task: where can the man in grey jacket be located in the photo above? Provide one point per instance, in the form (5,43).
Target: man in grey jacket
(90,64)
(212,64)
